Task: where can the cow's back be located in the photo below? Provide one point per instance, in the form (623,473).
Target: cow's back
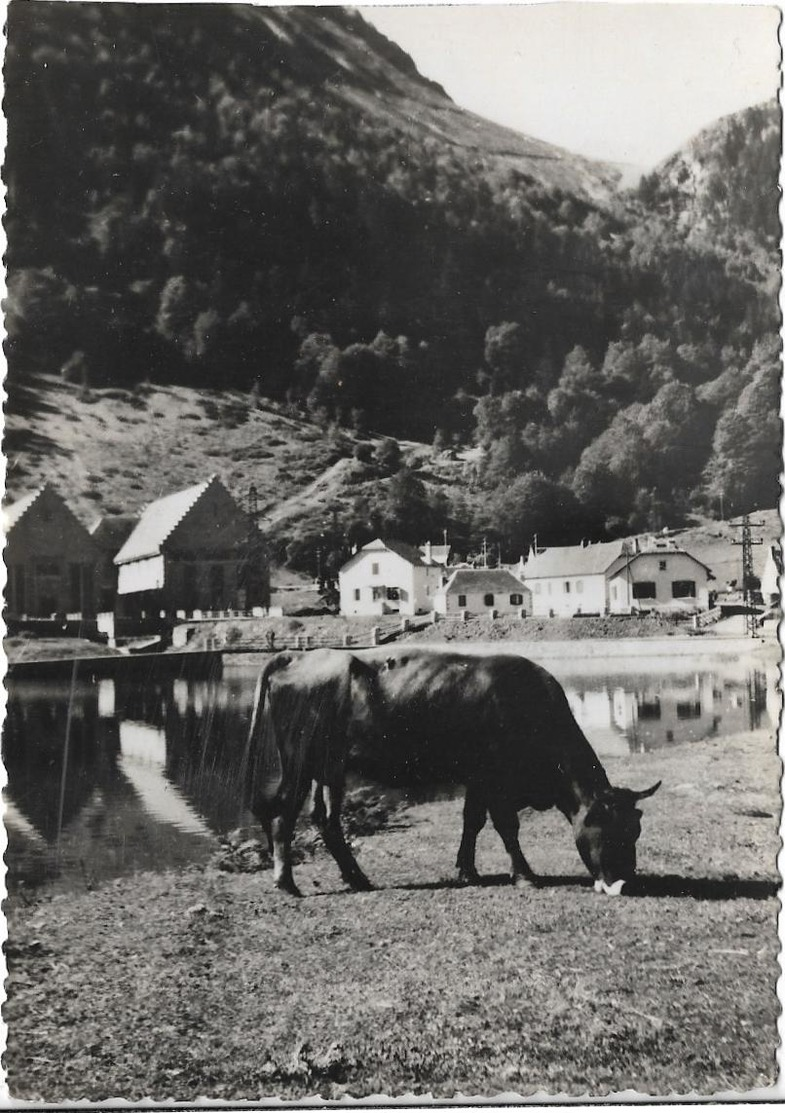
(460,717)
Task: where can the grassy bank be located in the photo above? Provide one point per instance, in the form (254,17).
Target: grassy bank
(206,983)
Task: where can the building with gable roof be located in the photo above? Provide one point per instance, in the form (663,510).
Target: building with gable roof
(388,577)
(493,591)
(194,550)
(51,559)
(616,577)
(571,579)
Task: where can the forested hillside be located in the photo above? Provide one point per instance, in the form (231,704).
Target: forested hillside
(273,200)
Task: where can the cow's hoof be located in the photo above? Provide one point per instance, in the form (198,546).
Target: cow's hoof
(525,881)
(360,884)
(468,877)
(288,887)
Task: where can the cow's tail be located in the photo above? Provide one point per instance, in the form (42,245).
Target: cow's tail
(261,760)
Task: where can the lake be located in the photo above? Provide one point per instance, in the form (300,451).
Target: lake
(112,776)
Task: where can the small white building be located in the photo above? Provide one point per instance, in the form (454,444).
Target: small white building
(659,577)
(770,578)
(388,577)
(617,577)
(571,579)
(483,591)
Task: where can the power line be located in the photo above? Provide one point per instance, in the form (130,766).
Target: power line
(747,572)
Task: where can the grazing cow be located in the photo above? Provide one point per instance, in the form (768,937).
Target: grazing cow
(500,725)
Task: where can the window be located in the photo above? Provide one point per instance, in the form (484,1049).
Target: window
(683,589)
(516,600)
(47,568)
(378,593)
(537,587)
(567,587)
(374,569)
(688,709)
(357,595)
(614,592)
(644,589)
(393,594)
(488,600)
(461,600)
(579,586)
(663,565)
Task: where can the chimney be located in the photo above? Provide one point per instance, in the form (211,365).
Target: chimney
(428,552)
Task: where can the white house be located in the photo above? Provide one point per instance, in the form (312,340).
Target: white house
(388,577)
(617,577)
(571,579)
(769,581)
(483,591)
(659,577)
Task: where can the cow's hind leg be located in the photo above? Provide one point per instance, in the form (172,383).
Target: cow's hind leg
(328,820)
(282,831)
(505,820)
(474,816)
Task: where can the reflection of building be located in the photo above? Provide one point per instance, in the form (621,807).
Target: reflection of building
(143,762)
(482,590)
(51,559)
(194,550)
(388,577)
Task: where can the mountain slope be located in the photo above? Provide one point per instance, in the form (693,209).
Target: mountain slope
(722,187)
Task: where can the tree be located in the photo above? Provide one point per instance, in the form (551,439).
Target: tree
(533,504)
(388,455)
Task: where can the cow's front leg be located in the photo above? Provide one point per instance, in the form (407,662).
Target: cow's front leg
(474,816)
(328,820)
(505,820)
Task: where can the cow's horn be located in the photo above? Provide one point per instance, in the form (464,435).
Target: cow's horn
(647,791)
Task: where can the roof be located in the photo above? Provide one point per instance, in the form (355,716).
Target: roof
(15,510)
(661,552)
(408,553)
(466,580)
(158,520)
(574,560)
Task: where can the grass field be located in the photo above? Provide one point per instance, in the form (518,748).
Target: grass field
(204,983)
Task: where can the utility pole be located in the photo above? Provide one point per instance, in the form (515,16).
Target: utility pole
(746,542)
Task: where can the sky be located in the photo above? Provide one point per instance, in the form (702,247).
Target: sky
(627,83)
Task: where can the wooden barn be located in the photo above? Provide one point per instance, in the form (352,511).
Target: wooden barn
(51,559)
(195,550)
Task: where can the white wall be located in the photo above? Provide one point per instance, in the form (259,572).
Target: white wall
(568,595)
(382,570)
(647,568)
(447,603)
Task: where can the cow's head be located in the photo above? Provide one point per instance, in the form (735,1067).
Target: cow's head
(606,835)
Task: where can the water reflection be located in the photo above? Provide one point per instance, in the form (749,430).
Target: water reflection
(114,776)
(629,713)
